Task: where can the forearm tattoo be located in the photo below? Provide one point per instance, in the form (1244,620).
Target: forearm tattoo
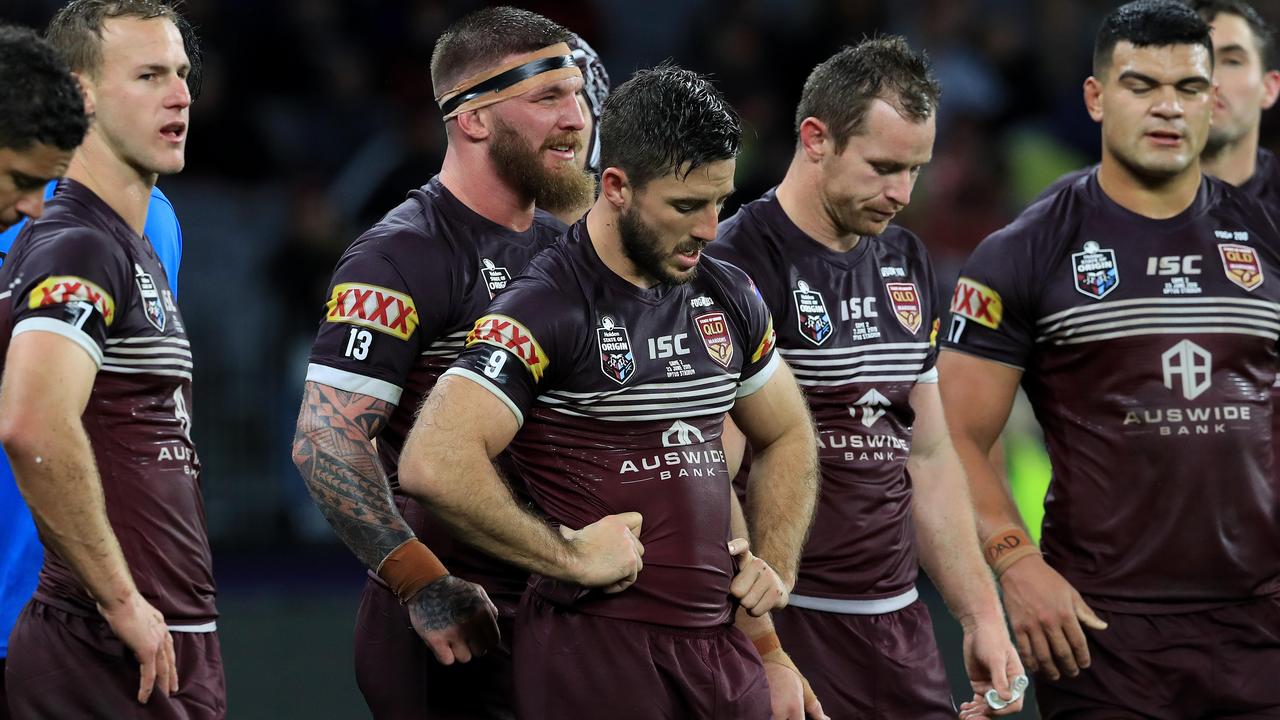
(334,452)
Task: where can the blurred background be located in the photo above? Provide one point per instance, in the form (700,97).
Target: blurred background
(316,118)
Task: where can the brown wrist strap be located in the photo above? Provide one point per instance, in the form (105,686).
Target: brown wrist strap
(771,651)
(409,568)
(1007,546)
(766,643)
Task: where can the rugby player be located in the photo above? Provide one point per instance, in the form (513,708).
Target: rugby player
(402,300)
(94,407)
(595,88)
(19,543)
(854,301)
(605,372)
(1158,573)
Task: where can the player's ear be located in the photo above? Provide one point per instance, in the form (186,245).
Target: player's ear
(615,187)
(815,139)
(474,124)
(1093,98)
(1270,88)
(86,90)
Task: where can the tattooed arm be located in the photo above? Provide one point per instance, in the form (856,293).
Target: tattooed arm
(333,449)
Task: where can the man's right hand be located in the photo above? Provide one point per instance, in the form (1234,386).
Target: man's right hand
(142,628)
(1046,614)
(607,552)
(455,618)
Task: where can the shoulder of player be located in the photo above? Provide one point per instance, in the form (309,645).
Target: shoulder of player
(63,237)
(548,225)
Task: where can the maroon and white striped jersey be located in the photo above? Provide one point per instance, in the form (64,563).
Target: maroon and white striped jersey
(1148,350)
(621,394)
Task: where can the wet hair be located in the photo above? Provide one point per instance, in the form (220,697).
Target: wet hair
(40,102)
(483,38)
(840,90)
(76,32)
(1148,23)
(664,121)
(1264,35)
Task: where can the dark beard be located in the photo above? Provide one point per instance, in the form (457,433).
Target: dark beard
(642,246)
(523,170)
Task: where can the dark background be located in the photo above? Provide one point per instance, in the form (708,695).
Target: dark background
(316,118)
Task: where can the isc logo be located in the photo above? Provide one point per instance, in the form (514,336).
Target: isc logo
(858,308)
(1174,265)
(668,345)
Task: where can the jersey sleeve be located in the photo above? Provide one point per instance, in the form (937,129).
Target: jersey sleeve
(932,306)
(757,323)
(992,312)
(375,326)
(522,345)
(72,283)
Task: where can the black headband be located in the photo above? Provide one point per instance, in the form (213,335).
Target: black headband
(501,81)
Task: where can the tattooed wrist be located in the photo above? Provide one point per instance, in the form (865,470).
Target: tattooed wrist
(447,601)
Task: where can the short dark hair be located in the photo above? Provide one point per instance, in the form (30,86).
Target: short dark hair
(485,37)
(840,90)
(1147,23)
(40,101)
(1264,35)
(76,30)
(666,120)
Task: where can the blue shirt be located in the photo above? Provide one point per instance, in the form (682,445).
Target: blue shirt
(20,551)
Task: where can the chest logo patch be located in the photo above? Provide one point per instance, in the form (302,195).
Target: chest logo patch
(1241,265)
(152,306)
(495,278)
(616,360)
(906,304)
(1095,269)
(714,330)
(811,314)
(873,406)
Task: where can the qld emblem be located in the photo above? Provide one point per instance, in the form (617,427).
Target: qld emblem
(152,306)
(1241,265)
(616,361)
(906,304)
(811,314)
(495,278)
(1095,270)
(714,330)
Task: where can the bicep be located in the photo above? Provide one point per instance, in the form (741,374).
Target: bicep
(356,415)
(46,374)
(977,395)
(461,412)
(772,411)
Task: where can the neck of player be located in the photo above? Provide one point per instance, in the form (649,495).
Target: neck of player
(1155,198)
(800,195)
(123,187)
(602,228)
(1234,162)
(477,184)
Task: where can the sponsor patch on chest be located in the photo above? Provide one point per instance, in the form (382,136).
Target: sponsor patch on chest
(1094,267)
(617,362)
(906,304)
(811,314)
(714,329)
(1241,264)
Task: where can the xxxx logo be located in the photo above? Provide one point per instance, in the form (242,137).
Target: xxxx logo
(501,331)
(63,289)
(380,308)
(977,302)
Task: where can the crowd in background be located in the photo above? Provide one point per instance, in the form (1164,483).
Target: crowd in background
(316,116)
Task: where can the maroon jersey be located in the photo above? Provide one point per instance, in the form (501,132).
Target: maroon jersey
(857,329)
(403,298)
(82,273)
(1148,350)
(621,394)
